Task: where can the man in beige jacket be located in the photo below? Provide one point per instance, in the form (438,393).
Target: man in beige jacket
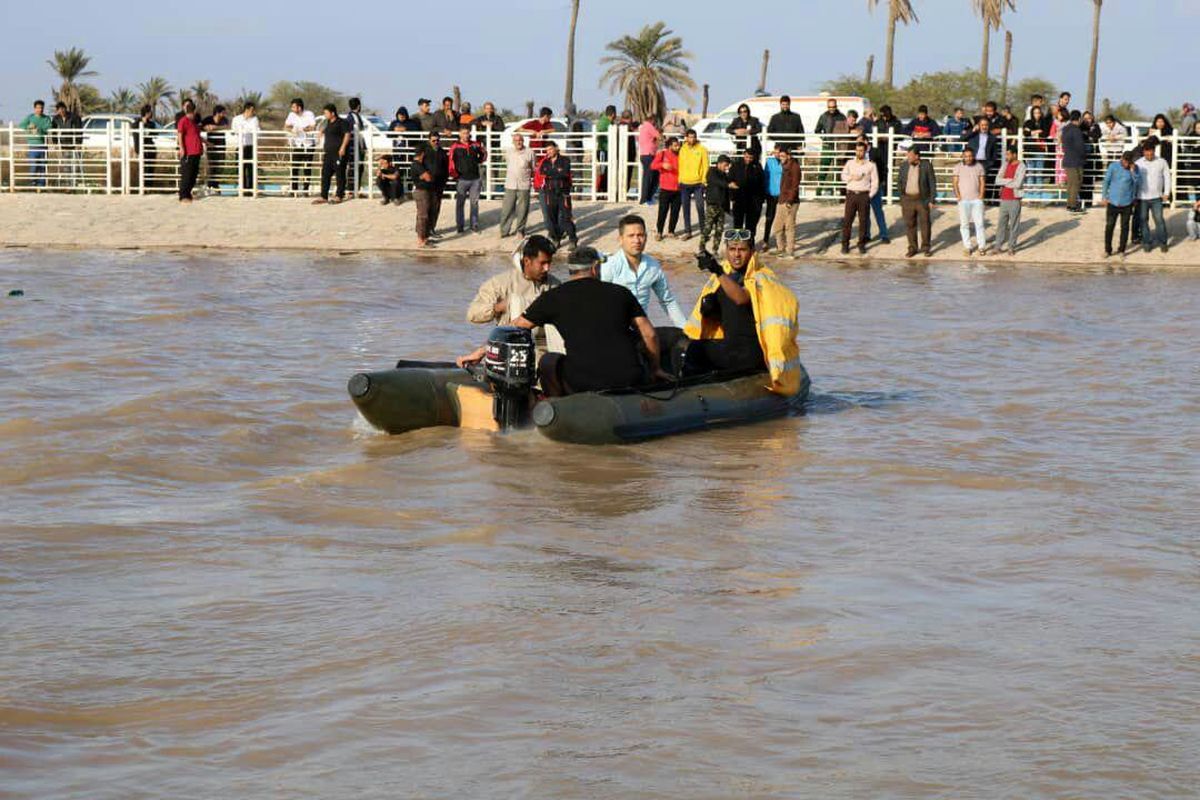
(504,297)
(862,182)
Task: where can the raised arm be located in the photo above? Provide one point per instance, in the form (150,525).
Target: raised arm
(666,299)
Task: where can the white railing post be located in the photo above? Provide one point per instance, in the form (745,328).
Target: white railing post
(615,164)
(108,147)
(1177,150)
(12,158)
(141,157)
(370,160)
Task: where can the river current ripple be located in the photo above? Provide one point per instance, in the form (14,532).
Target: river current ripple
(971,570)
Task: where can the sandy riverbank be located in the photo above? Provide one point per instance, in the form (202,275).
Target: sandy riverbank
(1048,235)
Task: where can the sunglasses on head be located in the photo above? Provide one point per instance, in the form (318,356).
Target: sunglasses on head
(737,235)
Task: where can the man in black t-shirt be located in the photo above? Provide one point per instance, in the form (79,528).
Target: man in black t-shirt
(215,125)
(600,324)
(337,137)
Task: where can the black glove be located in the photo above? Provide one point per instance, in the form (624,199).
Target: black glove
(707,262)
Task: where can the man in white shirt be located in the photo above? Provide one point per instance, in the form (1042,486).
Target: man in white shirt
(1154,189)
(301,127)
(639,273)
(518,180)
(245,127)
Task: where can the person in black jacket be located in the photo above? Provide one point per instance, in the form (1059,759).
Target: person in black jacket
(429,170)
(986,146)
(716,199)
(745,130)
(786,122)
(554,171)
(1074,153)
(751,184)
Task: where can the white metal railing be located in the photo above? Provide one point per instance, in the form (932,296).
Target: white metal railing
(126,159)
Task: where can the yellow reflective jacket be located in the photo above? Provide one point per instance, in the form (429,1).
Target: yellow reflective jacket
(693,164)
(776,316)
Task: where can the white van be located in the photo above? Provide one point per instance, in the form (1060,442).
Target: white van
(810,108)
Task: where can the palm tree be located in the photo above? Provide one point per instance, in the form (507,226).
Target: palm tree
(645,66)
(156,93)
(70,65)
(569,94)
(1091,92)
(992,13)
(898,11)
(122,101)
(254,98)
(201,93)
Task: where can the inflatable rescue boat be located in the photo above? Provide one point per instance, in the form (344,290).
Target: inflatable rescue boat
(498,396)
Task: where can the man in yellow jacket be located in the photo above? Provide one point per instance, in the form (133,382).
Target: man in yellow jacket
(693,172)
(745,319)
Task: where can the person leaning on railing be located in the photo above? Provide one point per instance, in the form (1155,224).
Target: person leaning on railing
(36,126)
(785,121)
(215,126)
(245,126)
(1037,136)
(301,127)
(918,192)
(65,132)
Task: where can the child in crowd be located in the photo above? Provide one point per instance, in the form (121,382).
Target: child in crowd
(1193,222)
(716,200)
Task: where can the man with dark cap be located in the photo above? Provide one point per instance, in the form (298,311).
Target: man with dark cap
(597,321)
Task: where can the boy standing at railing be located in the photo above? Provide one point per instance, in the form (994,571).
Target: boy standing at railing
(301,126)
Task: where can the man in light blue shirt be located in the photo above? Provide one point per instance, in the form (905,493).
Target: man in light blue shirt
(639,273)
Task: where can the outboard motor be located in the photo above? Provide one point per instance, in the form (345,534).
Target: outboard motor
(509,365)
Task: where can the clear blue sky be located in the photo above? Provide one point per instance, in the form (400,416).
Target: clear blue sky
(509,52)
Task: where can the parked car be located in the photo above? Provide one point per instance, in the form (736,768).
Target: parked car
(711,132)
(96,129)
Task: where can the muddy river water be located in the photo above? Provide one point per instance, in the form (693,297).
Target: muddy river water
(970,570)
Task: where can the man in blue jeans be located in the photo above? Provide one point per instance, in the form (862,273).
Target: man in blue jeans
(878,157)
(1154,189)
(36,126)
